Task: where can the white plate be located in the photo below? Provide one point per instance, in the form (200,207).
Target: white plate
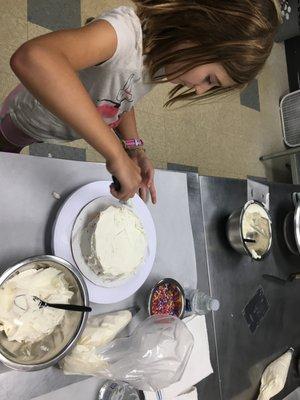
(62,236)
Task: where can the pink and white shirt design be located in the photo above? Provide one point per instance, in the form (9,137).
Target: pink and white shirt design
(110,110)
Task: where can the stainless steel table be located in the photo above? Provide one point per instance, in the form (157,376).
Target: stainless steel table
(242,356)
(27,211)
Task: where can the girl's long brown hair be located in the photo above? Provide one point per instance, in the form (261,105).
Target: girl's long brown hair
(239,34)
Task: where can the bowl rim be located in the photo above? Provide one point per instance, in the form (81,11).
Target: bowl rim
(179,287)
(69,346)
(243,210)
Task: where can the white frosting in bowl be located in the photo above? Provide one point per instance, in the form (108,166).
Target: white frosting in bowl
(256,226)
(20,317)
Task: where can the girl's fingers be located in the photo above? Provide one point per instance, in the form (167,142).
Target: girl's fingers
(153,193)
(114,192)
(121,195)
(150,177)
(143,193)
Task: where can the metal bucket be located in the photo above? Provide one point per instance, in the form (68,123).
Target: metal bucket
(235,234)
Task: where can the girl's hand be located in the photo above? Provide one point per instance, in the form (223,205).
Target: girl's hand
(147,174)
(129,175)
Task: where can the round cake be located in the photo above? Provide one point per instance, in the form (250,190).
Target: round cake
(118,243)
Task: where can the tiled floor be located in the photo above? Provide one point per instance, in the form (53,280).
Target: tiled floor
(223,138)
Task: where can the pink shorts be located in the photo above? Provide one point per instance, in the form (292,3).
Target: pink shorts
(12,138)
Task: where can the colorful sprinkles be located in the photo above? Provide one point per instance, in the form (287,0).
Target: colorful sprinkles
(166,300)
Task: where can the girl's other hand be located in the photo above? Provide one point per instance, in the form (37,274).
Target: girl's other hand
(128,174)
(147,174)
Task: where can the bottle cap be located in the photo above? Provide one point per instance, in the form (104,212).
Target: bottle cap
(214,304)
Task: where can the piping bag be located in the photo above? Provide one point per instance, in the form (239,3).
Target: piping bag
(274,376)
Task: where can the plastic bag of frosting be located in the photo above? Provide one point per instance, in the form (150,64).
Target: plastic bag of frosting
(275,375)
(99,330)
(152,358)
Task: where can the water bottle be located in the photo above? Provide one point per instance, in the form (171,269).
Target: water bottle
(200,303)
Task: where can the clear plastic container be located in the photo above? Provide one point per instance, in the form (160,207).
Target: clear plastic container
(118,390)
(200,303)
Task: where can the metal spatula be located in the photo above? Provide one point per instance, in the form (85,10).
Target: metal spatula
(21,302)
(117,185)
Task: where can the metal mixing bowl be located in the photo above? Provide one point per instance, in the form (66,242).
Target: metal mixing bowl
(55,346)
(234,230)
(180,291)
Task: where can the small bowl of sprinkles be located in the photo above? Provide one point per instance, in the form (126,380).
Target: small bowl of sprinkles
(167,298)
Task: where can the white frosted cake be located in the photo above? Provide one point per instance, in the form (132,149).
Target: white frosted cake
(118,243)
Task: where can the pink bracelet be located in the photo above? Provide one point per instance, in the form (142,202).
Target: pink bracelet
(130,144)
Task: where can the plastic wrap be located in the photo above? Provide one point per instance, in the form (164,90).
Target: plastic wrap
(152,358)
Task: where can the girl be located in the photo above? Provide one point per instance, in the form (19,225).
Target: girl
(84,82)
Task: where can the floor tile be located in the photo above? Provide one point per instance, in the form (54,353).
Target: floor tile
(250,96)
(93,156)
(207,109)
(235,157)
(8,81)
(34,30)
(263,128)
(151,129)
(57,151)
(181,168)
(93,8)
(154,102)
(273,80)
(189,132)
(186,142)
(55,14)
(160,165)
(80,143)
(273,84)
(13,33)
(15,9)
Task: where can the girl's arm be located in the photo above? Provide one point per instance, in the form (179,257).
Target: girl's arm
(48,67)
(127,126)
(128,130)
